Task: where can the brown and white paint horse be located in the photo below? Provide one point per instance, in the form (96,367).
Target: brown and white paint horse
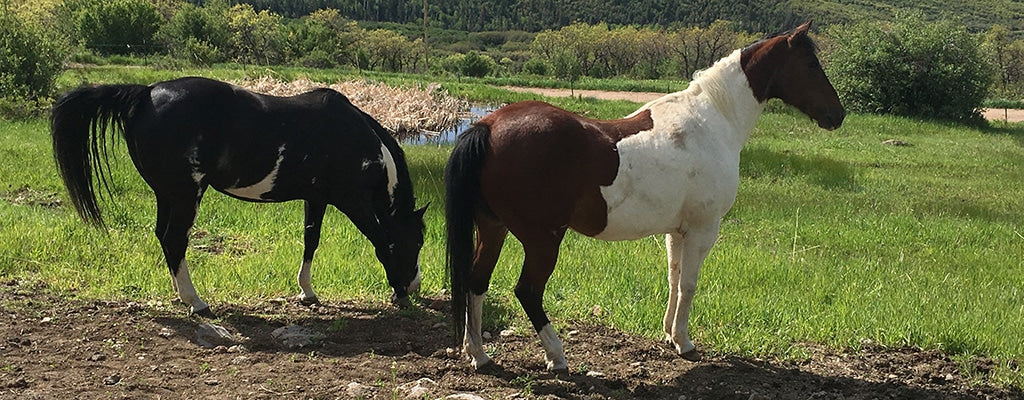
(671,167)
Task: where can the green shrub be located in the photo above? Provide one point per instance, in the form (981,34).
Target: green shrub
(199,35)
(910,67)
(119,26)
(30,62)
(536,66)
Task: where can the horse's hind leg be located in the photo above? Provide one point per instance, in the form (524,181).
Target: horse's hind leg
(175,217)
(489,240)
(541,255)
(311,236)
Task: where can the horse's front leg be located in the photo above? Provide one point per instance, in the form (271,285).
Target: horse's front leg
(311,237)
(674,249)
(696,243)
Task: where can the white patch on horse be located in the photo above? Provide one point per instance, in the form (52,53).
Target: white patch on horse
(553,352)
(264,186)
(391,169)
(685,170)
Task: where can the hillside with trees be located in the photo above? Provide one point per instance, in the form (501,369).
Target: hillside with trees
(750,15)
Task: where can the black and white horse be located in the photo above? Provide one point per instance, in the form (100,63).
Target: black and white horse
(188,134)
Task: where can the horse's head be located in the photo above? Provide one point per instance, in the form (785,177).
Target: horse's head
(786,67)
(401,258)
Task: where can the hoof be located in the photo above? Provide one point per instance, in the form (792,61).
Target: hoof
(692,355)
(561,373)
(308,301)
(486,367)
(205,313)
(403,302)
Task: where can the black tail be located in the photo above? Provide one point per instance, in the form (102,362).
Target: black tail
(78,124)
(462,194)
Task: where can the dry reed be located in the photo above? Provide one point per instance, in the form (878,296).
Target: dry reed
(405,111)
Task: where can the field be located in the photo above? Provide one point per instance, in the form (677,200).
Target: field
(888,236)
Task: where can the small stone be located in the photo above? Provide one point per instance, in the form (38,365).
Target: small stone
(278,301)
(358,390)
(595,374)
(211,382)
(240,360)
(238,349)
(506,333)
(437,305)
(463,396)
(439,325)
(293,336)
(573,333)
(486,335)
(417,389)
(451,352)
(97,357)
(111,380)
(45,320)
(210,336)
(165,333)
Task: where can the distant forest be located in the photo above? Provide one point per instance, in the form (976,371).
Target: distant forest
(537,15)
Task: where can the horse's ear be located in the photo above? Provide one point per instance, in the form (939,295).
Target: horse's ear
(799,32)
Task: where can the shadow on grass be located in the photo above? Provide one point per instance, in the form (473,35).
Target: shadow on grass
(821,171)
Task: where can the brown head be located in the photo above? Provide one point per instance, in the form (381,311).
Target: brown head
(786,67)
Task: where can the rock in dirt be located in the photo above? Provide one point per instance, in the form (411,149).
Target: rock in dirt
(210,336)
(463,396)
(417,389)
(111,380)
(293,336)
(359,390)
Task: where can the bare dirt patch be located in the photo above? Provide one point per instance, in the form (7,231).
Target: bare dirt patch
(58,346)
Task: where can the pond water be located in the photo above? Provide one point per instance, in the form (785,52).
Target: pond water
(476,111)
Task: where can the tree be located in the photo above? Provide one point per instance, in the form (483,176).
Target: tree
(325,39)
(256,37)
(1007,57)
(910,67)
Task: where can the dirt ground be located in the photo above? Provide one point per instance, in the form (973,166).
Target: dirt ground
(59,346)
(991,114)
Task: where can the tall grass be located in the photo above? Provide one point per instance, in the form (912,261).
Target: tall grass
(835,238)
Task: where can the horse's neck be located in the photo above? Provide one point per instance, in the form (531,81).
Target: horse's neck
(724,87)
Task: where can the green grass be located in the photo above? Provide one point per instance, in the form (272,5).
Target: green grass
(835,238)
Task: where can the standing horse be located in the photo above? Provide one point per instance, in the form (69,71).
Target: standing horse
(671,167)
(188,134)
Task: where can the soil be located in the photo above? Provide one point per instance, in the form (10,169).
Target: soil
(56,345)
(991,114)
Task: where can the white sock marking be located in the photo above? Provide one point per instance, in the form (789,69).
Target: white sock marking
(553,352)
(187,292)
(473,344)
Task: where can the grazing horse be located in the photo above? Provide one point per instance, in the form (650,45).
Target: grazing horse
(671,167)
(188,134)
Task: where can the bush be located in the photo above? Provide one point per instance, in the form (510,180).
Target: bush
(30,62)
(119,26)
(199,35)
(536,66)
(476,65)
(910,67)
